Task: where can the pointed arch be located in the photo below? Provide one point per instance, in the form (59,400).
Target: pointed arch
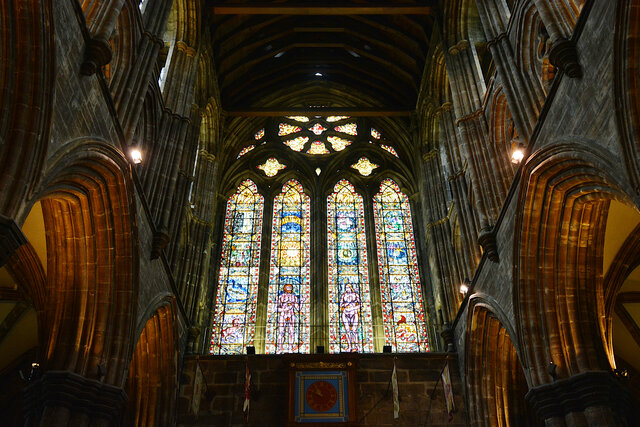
(235,312)
(402,302)
(288,307)
(350,327)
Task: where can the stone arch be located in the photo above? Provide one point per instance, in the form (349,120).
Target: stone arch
(558,299)
(627,85)
(89,216)
(496,380)
(26,82)
(123,42)
(504,136)
(152,377)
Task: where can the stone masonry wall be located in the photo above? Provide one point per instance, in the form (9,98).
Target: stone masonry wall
(417,376)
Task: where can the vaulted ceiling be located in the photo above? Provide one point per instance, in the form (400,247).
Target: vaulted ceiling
(358,55)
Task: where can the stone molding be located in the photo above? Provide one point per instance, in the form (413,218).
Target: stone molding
(11,238)
(563,54)
(579,392)
(487,239)
(76,393)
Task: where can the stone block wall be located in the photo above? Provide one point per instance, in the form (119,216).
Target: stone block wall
(223,395)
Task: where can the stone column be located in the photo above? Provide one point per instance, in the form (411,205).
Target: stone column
(593,398)
(559,20)
(63,398)
(523,100)
(101,18)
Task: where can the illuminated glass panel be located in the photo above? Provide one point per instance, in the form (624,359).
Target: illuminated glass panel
(338,143)
(288,300)
(296,144)
(271,167)
(303,119)
(259,134)
(402,307)
(318,147)
(390,149)
(364,166)
(235,315)
(332,119)
(350,328)
(317,129)
(375,134)
(287,129)
(349,128)
(245,150)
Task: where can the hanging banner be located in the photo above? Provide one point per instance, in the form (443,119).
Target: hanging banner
(197,389)
(448,389)
(394,385)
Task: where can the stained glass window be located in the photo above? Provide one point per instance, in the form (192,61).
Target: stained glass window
(299,118)
(390,149)
(364,166)
(375,134)
(245,150)
(259,134)
(349,128)
(402,308)
(287,129)
(235,315)
(350,328)
(288,300)
(332,119)
(296,144)
(338,143)
(318,147)
(271,167)
(317,129)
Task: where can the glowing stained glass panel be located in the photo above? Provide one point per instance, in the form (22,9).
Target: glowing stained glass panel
(271,167)
(318,147)
(375,134)
(349,129)
(259,134)
(402,306)
(235,315)
(338,143)
(245,150)
(332,119)
(317,129)
(303,119)
(364,166)
(390,149)
(288,328)
(350,327)
(296,144)
(287,129)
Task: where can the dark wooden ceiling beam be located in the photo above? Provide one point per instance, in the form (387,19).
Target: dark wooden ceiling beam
(320,9)
(354,112)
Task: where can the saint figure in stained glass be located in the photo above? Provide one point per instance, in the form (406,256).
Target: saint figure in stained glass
(288,326)
(350,327)
(234,321)
(402,307)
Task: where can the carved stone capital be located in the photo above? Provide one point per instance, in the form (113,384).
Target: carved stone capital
(449,340)
(11,238)
(160,241)
(579,392)
(563,54)
(96,54)
(487,239)
(63,389)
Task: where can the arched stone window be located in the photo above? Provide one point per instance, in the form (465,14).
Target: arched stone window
(339,268)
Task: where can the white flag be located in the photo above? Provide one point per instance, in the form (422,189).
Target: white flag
(394,384)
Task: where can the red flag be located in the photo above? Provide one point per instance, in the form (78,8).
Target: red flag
(247,393)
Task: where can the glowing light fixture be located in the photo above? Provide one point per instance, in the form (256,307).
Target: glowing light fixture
(464,289)
(318,74)
(518,153)
(136,156)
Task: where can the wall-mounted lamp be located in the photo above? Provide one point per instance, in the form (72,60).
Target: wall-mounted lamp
(517,153)
(464,289)
(136,156)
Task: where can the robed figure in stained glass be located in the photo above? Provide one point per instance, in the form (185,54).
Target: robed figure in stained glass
(350,327)
(288,328)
